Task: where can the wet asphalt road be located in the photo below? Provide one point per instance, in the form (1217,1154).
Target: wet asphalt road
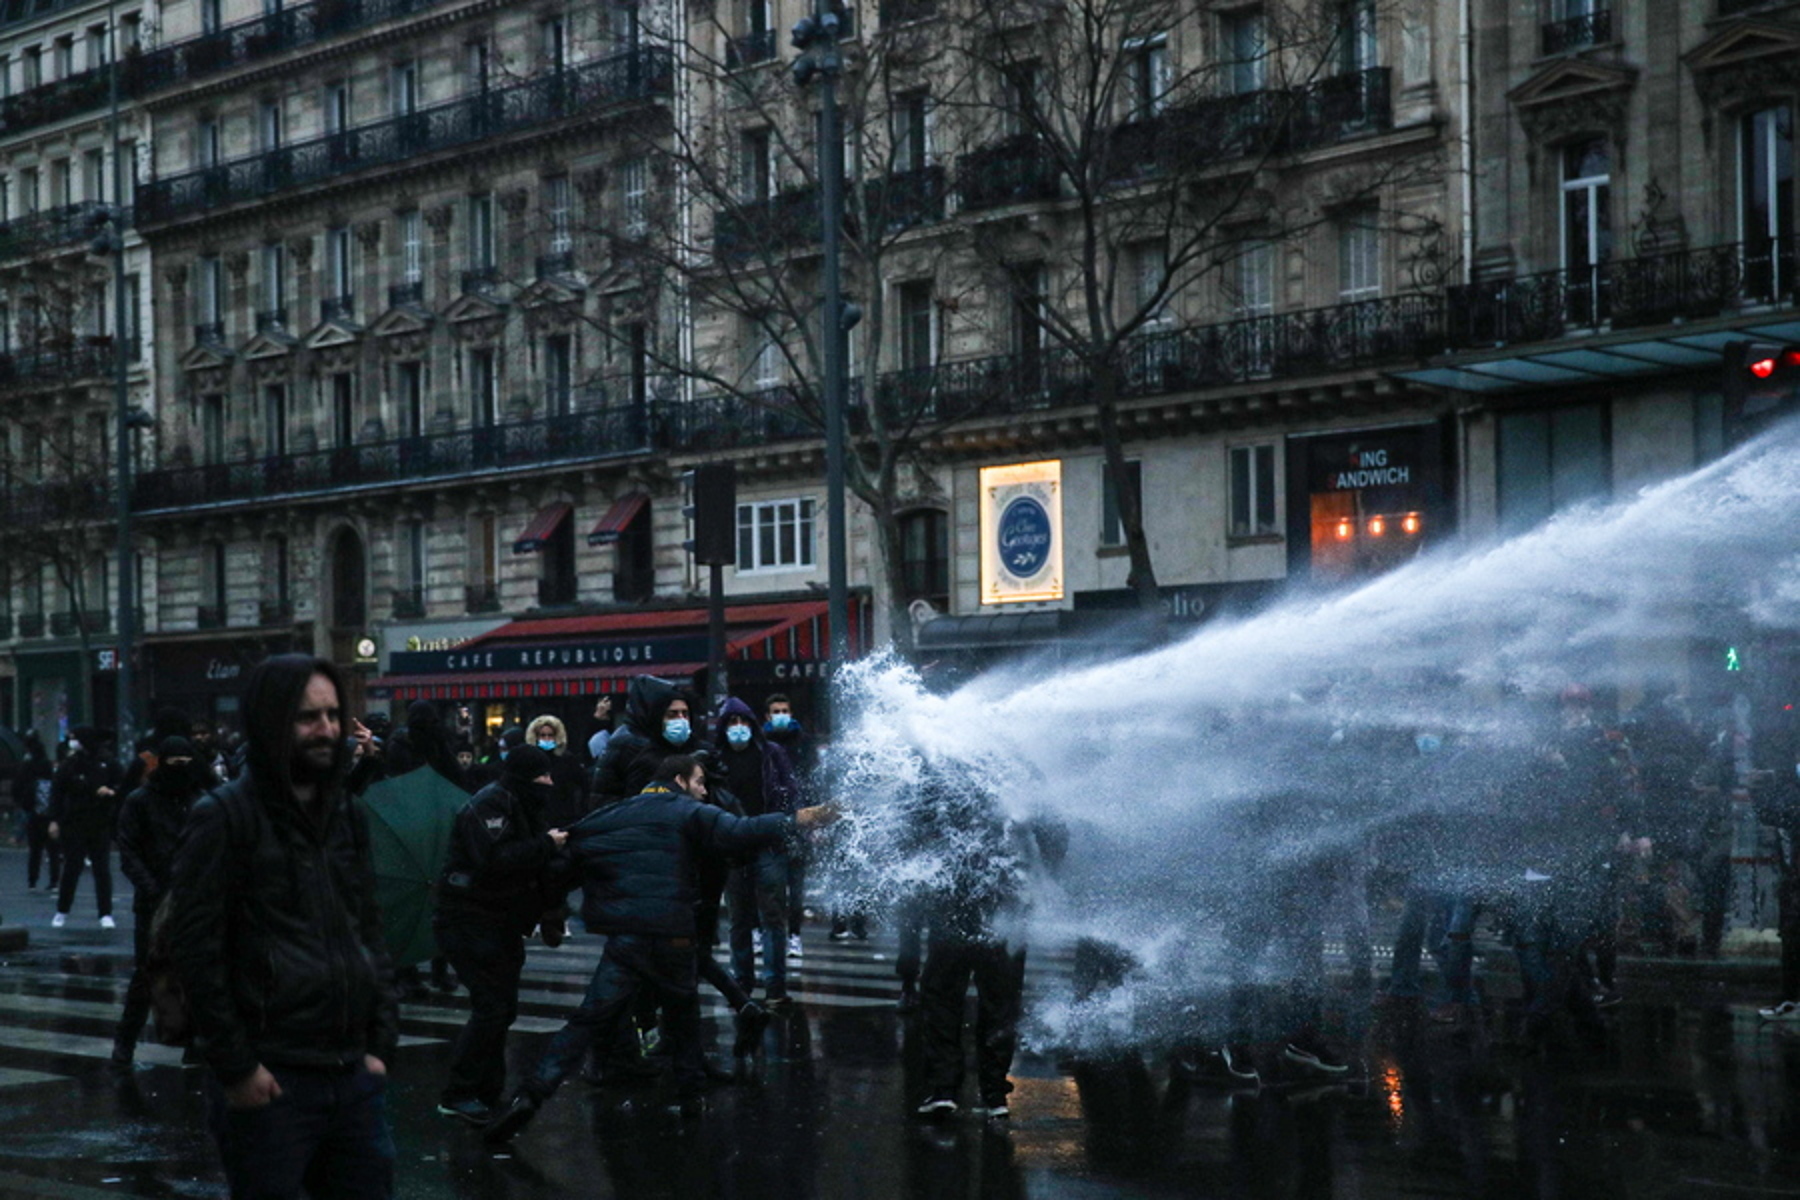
(1690,1097)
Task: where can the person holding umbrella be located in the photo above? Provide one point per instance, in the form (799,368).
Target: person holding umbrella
(502,858)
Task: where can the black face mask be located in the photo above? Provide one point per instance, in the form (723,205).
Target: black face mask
(535,795)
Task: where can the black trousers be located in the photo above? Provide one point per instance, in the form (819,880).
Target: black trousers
(83,842)
(998,972)
(137,996)
(37,836)
(488,957)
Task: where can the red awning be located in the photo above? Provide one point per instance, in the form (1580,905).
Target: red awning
(525,684)
(613,525)
(538,533)
(742,622)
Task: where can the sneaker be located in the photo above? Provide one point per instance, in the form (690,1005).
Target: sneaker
(1225,1066)
(840,933)
(751,1020)
(472,1111)
(107,922)
(939,1105)
(795,949)
(1787,1010)
(1312,1054)
(59,920)
(992,1110)
(1607,998)
(512,1119)
(909,997)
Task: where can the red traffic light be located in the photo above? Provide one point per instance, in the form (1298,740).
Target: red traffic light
(1762,368)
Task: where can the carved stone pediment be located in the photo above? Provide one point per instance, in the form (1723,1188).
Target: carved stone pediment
(1748,61)
(205,356)
(270,343)
(329,334)
(552,303)
(403,320)
(1573,96)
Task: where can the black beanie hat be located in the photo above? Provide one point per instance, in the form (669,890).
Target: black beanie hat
(512,737)
(526,763)
(175,747)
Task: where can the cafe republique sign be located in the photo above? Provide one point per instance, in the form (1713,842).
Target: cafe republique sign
(620,652)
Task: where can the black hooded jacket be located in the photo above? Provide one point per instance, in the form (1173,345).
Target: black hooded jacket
(150,824)
(75,798)
(638,748)
(273,927)
(501,859)
(423,742)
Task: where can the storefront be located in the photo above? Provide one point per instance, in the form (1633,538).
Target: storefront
(50,696)
(203,677)
(1364,502)
(561,665)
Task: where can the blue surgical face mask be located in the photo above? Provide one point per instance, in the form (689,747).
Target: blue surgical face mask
(1428,743)
(503,753)
(676,730)
(738,735)
(781,720)
(546,744)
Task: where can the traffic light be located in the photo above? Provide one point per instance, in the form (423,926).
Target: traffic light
(711,511)
(1762,380)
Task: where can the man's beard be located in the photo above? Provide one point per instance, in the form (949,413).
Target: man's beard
(308,771)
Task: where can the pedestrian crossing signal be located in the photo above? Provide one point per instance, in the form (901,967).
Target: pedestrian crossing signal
(1733,660)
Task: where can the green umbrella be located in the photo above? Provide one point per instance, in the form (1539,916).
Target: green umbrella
(410,821)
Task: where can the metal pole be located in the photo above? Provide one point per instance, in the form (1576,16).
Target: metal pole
(126,678)
(831,192)
(717,685)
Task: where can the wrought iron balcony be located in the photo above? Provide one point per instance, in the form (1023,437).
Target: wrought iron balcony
(249,41)
(1015,171)
(90,358)
(44,503)
(409,603)
(276,612)
(54,101)
(608,425)
(479,281)
(558,264)
(750,49)
(403,294)
(792,218)
(67,225)
(273,320)
(1652,289)
(70,624)
(572,92)
(338,308)
(1221,128)
(481,597)
(896,12)
(209,616)
(31,624)
(557,592)
(1572,33)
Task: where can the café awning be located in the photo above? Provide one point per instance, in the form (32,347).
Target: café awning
(543,527)
(618,518)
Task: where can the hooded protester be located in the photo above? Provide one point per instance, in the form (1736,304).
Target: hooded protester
(759,775)
(659,722)
(568,796)
(31,787)
(275,936)
(503,855)
(150,824)
(424,742)
(84,803)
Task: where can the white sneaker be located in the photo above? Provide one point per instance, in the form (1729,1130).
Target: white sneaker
(1787,1010)
(107,922)
(59,920)
(795,949)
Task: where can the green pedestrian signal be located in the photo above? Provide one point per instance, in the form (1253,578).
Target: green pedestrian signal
(1733,660)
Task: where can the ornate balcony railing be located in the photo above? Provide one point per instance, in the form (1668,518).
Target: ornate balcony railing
(46,503)
(575,91)
(1572,33)
(31,624)
(1015,171)
(337,308)
(65,226)
(54,101)
(248,41)
(481,597)
(209,616)
(896,12)
(70,623)
(1652,289)
(750,49)
(406,293)
(92,357)
(792,218)
(593,433)
(557,591)
(409,603)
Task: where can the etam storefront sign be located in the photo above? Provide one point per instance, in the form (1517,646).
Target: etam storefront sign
(623,652)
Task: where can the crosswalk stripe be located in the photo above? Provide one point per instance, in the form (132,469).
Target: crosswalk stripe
(19,1077)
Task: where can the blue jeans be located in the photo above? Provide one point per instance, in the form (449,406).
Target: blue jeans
(758,894)
(327,1133)
(630,965)
(1442,919)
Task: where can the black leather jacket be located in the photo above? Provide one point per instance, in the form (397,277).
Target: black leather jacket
(501,861)
(150,824)
(275,935)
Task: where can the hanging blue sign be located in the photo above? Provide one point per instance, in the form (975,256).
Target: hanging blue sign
(1025,537)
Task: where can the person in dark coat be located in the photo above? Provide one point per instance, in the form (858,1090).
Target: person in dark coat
(637,860)
(150,824)
(424,742)
(31,787)
(659,723)
(569,800)
(276,939)
(758,774)
(502,857)
(84,803)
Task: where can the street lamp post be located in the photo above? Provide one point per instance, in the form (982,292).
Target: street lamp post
(820,62)
(124,420)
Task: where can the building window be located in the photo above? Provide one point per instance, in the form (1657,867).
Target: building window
(337,107)
(280,573)
(634,568)
(1021,98)
(275,419)
(481,231)
(1586,226)
(1766,188)
(274,279)
(1359,257)
(756,166)
(405,88)
(634,188)
(622,23)
(478,66)
(209,143)
(909,122)
(557,214)
(925,556)
(558,374)
(484,533)
(1254,279)
(211,291)
(29,198)
(484,381)
(555,33)
(409,389)
(93,175)
(343,408)
(1358,49)
(765,358)
(98,308)
(131,32)
(1112,520)
(96,47)
(340,275)
(776,535)
(214,581)
(212,429)
(415,555)
(31,67)
(1550,460)
(65,56)
(412,247)
(1246,51)
(1149,263)
(268,125)
(917,326)
(1147,76)
(212,16)
(1252,491)
(62,183)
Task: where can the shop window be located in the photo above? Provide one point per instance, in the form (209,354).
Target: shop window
(1550,460)
(925,556)
(1112,519)
(775,535)
(1253,491)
